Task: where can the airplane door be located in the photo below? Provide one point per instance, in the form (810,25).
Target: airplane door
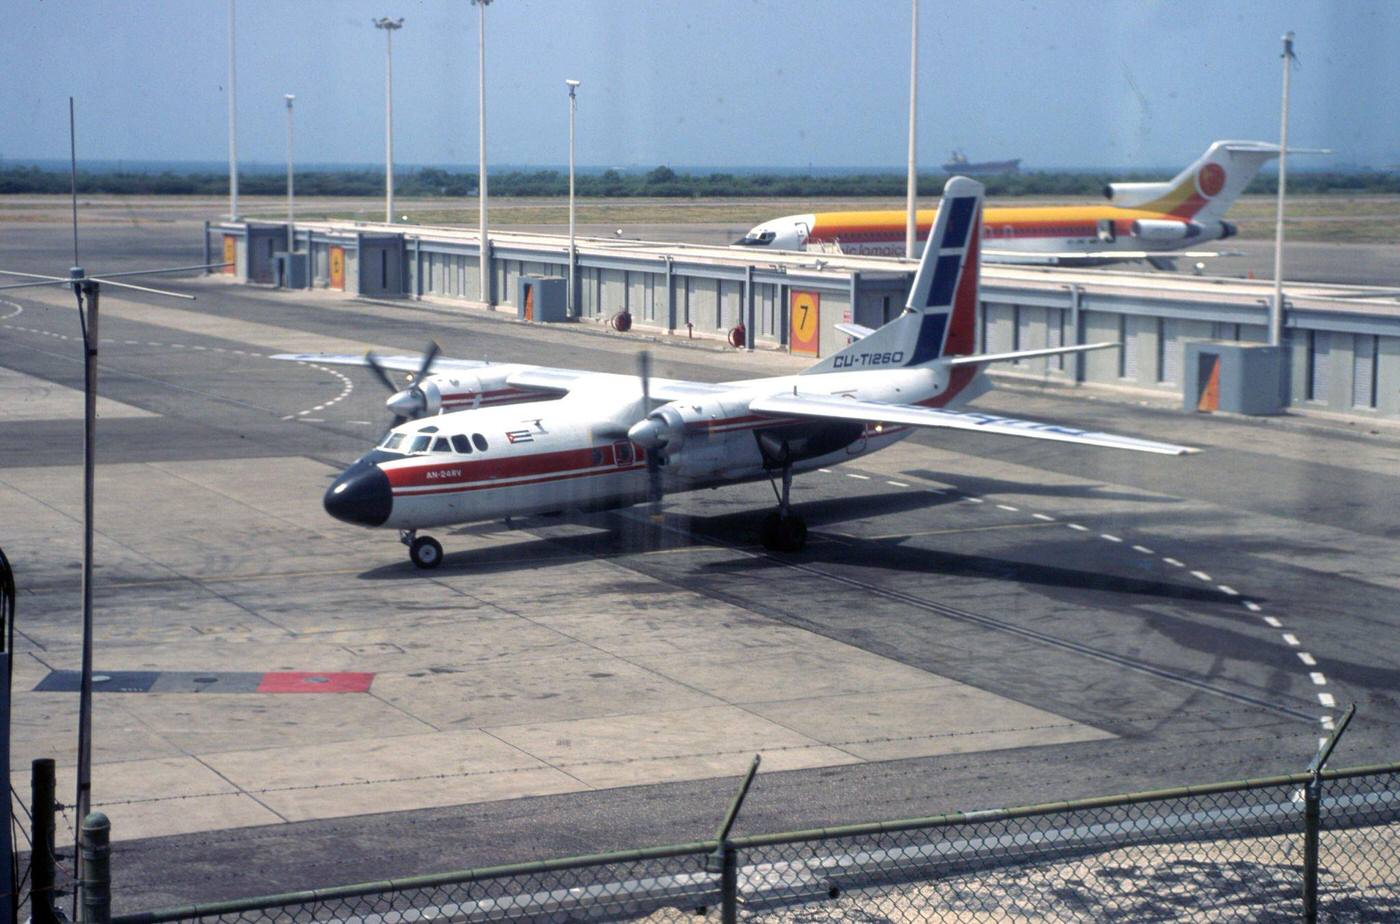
(622,453)
(1106,232)
(803,232)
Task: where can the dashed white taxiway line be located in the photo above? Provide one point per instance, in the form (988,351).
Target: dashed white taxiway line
(1289,638)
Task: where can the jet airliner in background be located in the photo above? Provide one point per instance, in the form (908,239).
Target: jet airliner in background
(480,441)
(1144,221)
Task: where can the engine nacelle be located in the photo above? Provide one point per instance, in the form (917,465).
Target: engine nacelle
(663,430)
(435,394)
(1130,194)
(1228,229)
(1155,229)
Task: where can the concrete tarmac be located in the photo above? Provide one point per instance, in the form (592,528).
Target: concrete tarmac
(976,621)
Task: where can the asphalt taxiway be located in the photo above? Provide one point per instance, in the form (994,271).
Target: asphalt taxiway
(977,621)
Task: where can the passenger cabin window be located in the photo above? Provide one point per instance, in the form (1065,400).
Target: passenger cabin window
(480,441)
(420,443)
(442,445)
(462,444)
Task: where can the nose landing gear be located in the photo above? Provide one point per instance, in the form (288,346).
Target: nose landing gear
(423,551)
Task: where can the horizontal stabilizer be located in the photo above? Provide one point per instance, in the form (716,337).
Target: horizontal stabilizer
(1027,354)
(849,409)
(855,330)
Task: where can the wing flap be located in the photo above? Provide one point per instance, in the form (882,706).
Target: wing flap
(834,408)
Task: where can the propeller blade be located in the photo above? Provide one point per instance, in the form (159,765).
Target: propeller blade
(379,373)
(654,490)
(429,357)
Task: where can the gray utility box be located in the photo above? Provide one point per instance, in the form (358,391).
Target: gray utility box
(541,298)
(1241,378)
(289,270)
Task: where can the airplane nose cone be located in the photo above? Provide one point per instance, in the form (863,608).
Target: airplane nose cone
(361,495)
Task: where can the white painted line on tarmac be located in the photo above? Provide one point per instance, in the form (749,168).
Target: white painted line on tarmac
(1273,622)
(1143,549)
(1251,606)
(1307,659)
(1327,699)
(1201,576)
(1041,516)
(1173,562)
(825,470)
(1328,722)
(1227,589)
(1109,537)
(1008,507)
(858,477)
(1291,639)
(897,484)
(973,500)
(1077,528)
(1318,678)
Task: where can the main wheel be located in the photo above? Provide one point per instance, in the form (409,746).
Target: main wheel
(783,533)
(426,552)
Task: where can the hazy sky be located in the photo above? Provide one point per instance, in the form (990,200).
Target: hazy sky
(701,82)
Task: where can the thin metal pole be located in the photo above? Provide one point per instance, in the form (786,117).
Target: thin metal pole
(912,184)
(481,148)
(1276,309)
(41,859)
(573,251)
(291,244)
(232,121)
(73,174)
(87,296)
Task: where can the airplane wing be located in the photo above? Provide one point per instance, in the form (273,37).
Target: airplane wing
(835,408)
(858,331)
(396,363)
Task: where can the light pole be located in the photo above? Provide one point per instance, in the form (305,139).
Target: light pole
(388,25)
(912,184)
(232,123)
(1276,310)
(573,253)
(481,6)
(290,188)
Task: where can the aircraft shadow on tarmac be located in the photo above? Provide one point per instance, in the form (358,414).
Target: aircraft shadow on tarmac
(974,486)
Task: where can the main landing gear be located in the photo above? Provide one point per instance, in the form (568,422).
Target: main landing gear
(425,551)
(783,530)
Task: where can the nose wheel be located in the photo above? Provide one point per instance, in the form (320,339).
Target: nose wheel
(423,551)
(784,530)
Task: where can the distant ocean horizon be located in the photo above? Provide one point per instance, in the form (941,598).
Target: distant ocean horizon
(184,167)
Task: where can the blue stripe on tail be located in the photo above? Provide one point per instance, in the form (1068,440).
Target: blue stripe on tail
(959,220)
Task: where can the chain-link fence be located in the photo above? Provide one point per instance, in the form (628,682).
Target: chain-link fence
(1226,852)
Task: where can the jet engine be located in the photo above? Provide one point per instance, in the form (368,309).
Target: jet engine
(1154,229)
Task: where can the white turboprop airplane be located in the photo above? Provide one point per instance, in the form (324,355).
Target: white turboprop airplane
(596,440)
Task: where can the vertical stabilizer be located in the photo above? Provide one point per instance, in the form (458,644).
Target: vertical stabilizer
(940,315)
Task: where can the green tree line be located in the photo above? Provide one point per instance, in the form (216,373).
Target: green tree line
(659,182)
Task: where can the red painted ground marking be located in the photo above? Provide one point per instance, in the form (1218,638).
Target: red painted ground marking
(313,682)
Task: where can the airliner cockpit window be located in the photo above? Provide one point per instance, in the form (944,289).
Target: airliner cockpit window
(419,444)
(393,441)
(442,445)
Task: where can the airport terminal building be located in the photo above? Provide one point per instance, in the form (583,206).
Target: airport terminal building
(1342,342)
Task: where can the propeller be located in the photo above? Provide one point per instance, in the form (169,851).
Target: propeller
(653,456)
(406,403)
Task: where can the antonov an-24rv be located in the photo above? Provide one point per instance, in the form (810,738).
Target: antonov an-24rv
(494,440)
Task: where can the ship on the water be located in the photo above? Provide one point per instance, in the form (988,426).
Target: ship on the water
(959,163)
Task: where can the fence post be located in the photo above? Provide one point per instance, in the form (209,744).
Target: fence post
(1312,815)
(41,858)
(96,883)
(725,859)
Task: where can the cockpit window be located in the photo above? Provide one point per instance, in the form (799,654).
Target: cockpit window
(393,442)
(462,444)
(441,445)
(480,441)
(757,239)
(420,443)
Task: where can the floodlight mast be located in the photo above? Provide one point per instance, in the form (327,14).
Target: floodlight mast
(911,191)
(1276,309)
(573,251)
(388,25)
(484,244)
(232,121)
(291,243)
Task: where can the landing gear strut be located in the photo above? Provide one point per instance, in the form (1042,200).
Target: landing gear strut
(424,551)
(783,530)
